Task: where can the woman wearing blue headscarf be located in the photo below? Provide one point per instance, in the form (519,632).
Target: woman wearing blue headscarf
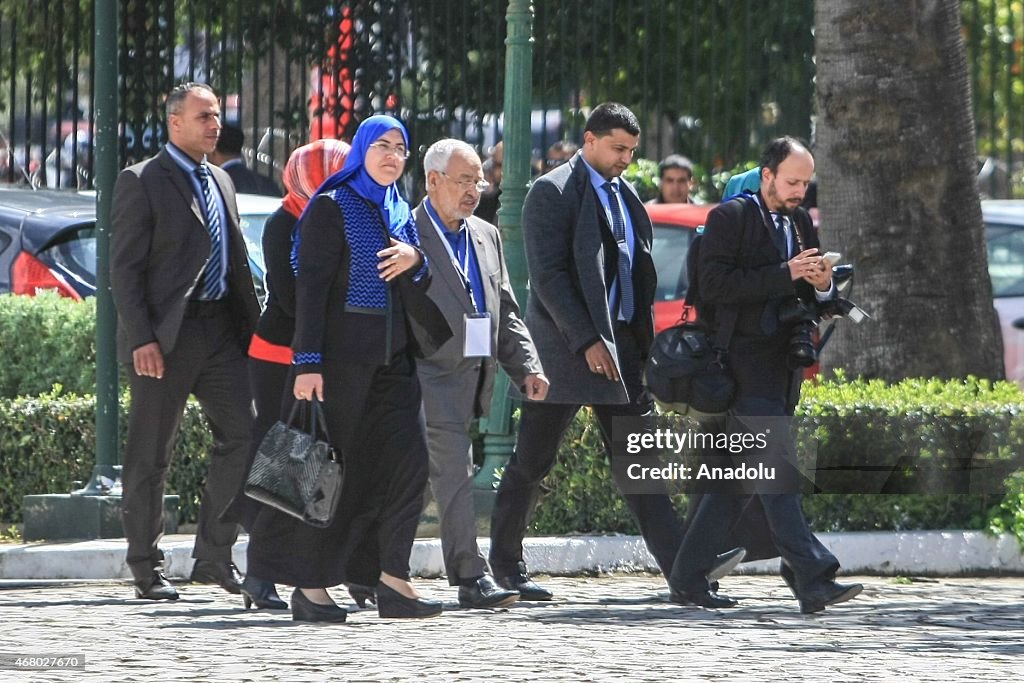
(361,313)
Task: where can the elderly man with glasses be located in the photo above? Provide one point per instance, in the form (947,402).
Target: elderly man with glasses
(470,285)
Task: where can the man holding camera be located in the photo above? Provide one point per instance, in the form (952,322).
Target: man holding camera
(759,257)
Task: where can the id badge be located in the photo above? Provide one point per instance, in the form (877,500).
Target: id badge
(478,335)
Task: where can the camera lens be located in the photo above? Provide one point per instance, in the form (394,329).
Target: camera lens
(802,352)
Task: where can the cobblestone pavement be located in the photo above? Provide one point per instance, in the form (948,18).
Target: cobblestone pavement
(609,628)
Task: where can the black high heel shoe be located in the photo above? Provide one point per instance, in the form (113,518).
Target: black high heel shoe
(362,594)
(261,593)
(304,609)
(393,605)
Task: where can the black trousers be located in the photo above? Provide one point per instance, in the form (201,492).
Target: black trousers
(766,387)
(207,362)
(375,421)
(541,428)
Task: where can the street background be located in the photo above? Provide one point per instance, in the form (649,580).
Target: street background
(600,628)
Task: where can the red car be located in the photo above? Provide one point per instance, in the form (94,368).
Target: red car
(675,226)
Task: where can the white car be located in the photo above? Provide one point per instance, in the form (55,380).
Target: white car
(1004,234)
(253,212)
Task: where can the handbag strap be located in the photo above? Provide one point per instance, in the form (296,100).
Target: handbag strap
(316,420)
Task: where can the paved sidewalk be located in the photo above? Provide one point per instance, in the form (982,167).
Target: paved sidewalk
(607,628)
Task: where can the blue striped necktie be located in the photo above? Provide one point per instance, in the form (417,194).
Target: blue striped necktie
(625,270)
(780,238)
(213,278)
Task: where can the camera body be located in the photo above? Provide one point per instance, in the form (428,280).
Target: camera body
(803,318)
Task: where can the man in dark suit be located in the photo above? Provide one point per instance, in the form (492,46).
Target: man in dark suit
(592,282)
(470,285)
(759,257)
(228,155)
(186,307)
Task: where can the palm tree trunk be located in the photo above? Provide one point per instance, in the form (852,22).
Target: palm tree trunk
(898,193)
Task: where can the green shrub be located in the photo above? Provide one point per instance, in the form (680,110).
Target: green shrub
(49,442)
(47,340)
(579,495)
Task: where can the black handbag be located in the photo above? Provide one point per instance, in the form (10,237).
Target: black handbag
(296,472)
(687,372)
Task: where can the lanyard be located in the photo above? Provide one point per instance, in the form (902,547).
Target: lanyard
(461,269)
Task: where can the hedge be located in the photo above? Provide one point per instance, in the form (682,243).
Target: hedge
(47,339)
(48,442)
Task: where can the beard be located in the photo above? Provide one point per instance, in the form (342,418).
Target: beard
(775,203)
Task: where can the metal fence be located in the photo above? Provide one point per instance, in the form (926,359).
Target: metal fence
(710,79)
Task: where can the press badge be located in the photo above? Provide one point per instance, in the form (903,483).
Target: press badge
(478,335)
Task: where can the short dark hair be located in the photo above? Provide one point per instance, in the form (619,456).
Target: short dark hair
(177,96)
(780,148)
(230,140)
(675,161)
(608,116)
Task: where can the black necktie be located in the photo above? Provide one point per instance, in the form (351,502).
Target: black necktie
(213,283)
(625,270)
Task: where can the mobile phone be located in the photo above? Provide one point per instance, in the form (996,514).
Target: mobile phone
(832,257)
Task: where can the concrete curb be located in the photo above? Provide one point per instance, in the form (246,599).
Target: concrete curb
(911,553)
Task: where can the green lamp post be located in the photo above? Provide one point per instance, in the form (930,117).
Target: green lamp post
(499,441)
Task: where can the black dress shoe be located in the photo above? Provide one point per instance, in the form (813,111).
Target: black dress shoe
(156,587)
(304,609)
(725,563)
(362,594)
(486,593)
(831,593)
(708,599)
(261,593)
(528,589)
(393,605)
(224,574)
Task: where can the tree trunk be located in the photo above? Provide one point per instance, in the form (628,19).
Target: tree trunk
(898,194)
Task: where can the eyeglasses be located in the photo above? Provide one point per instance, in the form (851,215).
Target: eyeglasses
(478,185)
(387,149)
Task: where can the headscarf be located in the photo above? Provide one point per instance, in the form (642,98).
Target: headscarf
(306,170)
(396,209)
(388,198)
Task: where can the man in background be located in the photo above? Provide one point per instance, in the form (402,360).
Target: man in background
(228,156)
(675,180)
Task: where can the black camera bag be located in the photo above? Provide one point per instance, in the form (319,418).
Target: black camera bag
(686,373)
(687,370)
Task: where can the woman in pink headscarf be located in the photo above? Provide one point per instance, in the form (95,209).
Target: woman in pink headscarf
(270,354)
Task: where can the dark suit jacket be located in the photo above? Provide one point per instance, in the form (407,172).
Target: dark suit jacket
(741,267)
(248,181)
(159,247)
(446,369)
(572,259)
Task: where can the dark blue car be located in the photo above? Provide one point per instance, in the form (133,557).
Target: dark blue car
(48,240)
